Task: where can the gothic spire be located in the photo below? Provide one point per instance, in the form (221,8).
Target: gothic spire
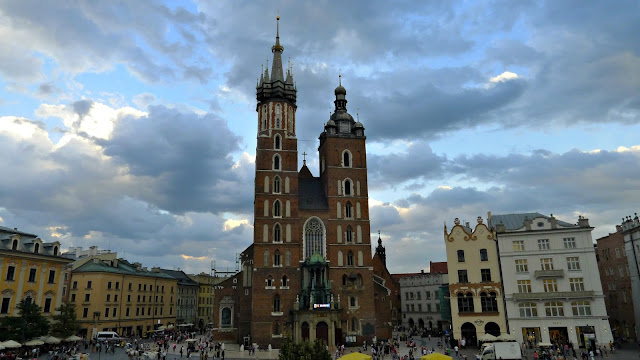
(277,49)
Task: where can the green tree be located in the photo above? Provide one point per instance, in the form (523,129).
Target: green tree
(29,324)
(65,323)
(305,350)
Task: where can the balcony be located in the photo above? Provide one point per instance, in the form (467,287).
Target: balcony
(553,295)
(549,273)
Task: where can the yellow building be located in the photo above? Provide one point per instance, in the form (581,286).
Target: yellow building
(206,283)
(119,296)
(30,269)
(477,306)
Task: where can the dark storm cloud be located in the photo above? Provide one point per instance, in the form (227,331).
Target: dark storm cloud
(396,168)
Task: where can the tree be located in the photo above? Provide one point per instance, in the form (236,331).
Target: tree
(65,323)
(29,324)
(290,350)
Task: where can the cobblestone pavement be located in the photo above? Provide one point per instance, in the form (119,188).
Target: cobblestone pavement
(629,352)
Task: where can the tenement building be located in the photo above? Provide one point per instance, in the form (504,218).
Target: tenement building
(551,280)
(309,272)
(420,294)
(616,284)
(630,228)
(475,290)
(30,270)
(186,300)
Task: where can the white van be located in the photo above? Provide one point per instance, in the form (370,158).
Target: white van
(108,336)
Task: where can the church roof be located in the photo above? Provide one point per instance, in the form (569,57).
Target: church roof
(311,194)
(305,173)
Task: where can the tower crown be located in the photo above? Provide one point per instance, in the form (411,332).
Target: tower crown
(275,87)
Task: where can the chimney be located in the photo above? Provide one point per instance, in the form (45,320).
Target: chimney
(618,228)
(155,269)
(527,223)
(114,263)
(554,222)
(582,221)
(500,228)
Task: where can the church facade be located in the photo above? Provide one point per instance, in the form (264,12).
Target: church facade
(309,273)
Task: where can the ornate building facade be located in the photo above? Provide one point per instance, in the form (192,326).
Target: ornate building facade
(309,272)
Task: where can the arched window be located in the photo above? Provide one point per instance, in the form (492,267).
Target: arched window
(352,301)
(264,117)
(277,208)
(277,233)
(278,116)
(276,258)
(460,255)
(276,184)
(285,281)
(346,159)
(266,258)
(225,319)
(14,246)
(354,324)
(276,142)
(314,237)
(359,280)
(287,258)
(350,261)
(344,280)
(348,188)
(348,210)
(269,281)
(55,251)
(276,303)
(276,328)
(349,235)
(36,248)
(276,162)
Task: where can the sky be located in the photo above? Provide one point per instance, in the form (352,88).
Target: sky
(132,125)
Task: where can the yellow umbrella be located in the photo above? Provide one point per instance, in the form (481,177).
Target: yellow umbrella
(436,356)
(356,356)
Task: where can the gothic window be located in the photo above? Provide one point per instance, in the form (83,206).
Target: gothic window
(352,301)
(276,184)
(269,281)
(287,258)
(276,142)
(276,162)
(266,258)
(277,233)
(346,158)
(277,208)
(348,210)
(314,237)
(350,260)
(349,235)
(276,258)
(347,188)
(276,303)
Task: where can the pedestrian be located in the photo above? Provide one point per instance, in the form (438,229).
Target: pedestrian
(181,349)
(456,349)
(222,354)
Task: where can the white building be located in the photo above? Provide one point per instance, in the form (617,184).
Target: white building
(631,231)
(421,301)
(551,280)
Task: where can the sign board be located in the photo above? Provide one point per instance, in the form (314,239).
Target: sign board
(321,306)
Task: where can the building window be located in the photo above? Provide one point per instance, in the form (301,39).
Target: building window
(348,210)
(108,297)
(276,303)
(554,309)
(462,276)
(277,209)
(518,245)
(87,297)
(621,270)
(75,285)
(4,309)
(349,235)
(528,310)
(266,258)
(489,302)
(418,295)
(460,255)
(486,275)
(106,313)
(550,285)
(573,263)
(428,293)
(354,324)
(269,281)
(314,237)
(543,244)
(546,264)
(577,284)
(483,255)
(109,285)
(85,312)
(348,188)
(569,243)
(276,258)
(346,159)
(581,308)
(344,280)
(73,297)
(285,281)
(276,142)
(276,162)
(522,266)
(465,303)
(36,248)
(524,286)
(276,184)
(32,275)
(89,283)
(14,245)
(52,276)
(277,234)
(11,273)
(617,253)
(350,261)
(352,301)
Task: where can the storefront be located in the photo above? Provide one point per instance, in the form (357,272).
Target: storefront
(531,336)
(586,334)
(558,335)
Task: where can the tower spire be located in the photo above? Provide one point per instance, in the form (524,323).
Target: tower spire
(277,49)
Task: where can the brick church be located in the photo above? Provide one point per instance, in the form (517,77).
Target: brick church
(309,273)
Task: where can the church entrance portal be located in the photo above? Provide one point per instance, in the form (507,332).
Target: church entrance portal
(322,332)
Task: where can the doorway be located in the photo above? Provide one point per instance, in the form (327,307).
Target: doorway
(305,330)
(468,331)
(322,332)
